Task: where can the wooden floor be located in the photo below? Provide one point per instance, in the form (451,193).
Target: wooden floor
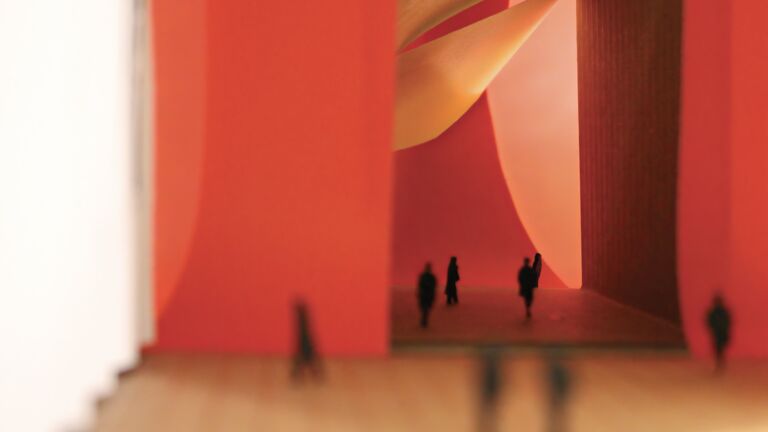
(565,316)
(419,392)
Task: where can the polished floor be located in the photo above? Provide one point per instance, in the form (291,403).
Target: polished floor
(419,392)
(567,317)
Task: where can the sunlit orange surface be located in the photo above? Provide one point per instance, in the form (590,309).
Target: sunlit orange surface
(534,104)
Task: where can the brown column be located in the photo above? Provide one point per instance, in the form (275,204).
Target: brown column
(629,86)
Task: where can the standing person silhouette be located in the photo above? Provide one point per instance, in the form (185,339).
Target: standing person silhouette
(426,293)
(526,277)
(305,357)
(719,323)
(451,292)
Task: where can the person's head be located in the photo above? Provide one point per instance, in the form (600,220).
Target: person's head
(453,260)
(718,299)
(537,257)
(300,307)
(428,267)
(526,262)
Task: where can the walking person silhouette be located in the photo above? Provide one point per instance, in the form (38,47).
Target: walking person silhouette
(305,356)
(527,279)
(719,323)
(426,293)
(451,291)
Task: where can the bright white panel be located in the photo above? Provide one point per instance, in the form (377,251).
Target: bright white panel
(67,213)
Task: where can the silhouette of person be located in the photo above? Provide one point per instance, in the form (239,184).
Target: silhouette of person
(490,388)
(451,292)
(305,357)
(559,384)
(719,323)
(526,277)
(537,264)
(426,293)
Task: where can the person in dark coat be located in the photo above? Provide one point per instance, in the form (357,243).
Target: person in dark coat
(426,293)
(719,323)
(305,357)
(526,277)
(451,292)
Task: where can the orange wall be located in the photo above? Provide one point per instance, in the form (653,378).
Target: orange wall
(723,190)
(292,196)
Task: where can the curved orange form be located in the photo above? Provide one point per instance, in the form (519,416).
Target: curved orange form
(414,17)
(439,81)
(534,105)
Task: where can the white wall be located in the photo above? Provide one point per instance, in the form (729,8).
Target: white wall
(67,209)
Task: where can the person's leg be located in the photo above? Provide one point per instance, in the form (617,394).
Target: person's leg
(719,357)
(488,418)
(316,367)
(296,369)
(424,312)
(528,300)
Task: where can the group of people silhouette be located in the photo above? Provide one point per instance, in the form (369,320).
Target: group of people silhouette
(527,278)
(718,319)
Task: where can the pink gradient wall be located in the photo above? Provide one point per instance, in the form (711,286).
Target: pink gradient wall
(723,188)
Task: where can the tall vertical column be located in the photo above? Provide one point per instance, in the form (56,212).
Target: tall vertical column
(629,85)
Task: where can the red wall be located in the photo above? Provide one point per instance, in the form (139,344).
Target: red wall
(748,286)
(723,190)
(180,109)
(294,190)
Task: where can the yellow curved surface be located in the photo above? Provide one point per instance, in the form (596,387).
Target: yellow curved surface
(534,106)
(439,81)
(414,17)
